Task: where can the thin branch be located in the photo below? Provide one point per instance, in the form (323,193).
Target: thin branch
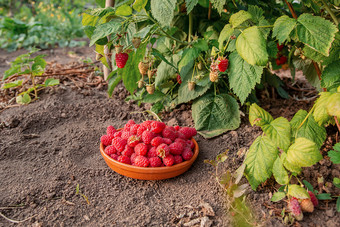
(15,221)
(330,13)
(337,122)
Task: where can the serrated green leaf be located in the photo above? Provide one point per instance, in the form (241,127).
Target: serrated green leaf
(201,45)
(114,79)
(226,32)
(272,49)
(89,20)
(256,13)
(105,29)
(124,10)
(157,96)
(308,186)
(214,115)
(303,153)
(258,116)
(166,71)
(157,107)
(259,161)
(218,5)
(278,131)
(316,32)
(320,113)
(334,155)
(277,196)
(23,99)
(279,172)
(333,106)
(243,77)
(139,5)
(238,18)
(308,70)
(163,11)
(251,46)
(188,57)
(338,204)
(291,167)
(310,128)
(51,82)
(336,182)
(190,4)
(283,26)
(11,71)
(324,196)
(297,191)
(12,84)
(330,78)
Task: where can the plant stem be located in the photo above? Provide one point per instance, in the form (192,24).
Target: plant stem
(330,12)
(190,26)
(225,47)
(291,9)
(337,122)
(35,89)
(209,12)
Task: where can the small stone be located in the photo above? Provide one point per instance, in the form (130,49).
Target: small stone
(63,115)
(86,218)
(330,213)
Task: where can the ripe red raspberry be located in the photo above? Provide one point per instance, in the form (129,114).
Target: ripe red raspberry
(295,209)
(190,144)
(152,152)
(167,141)
(119,143)
(181,135)
(128,151)
(170,134)
(117,134)
(223,65)
(156,141)
(121,59)
(147,124)
(126,134)
(177,127)
(141,149)
(279,47)
(131,122)
(187,154)
(176,148)
(133,129)
(188,132)
(278,62)
(147,136)
(157,126)
(169,160)
(109,150)
(155,162)
(141,129)
(163,150)
(133,140)
(114,156)
(179,79)
(178,159)
(110,130)
(106,140)
(283,60)
(313,199)
(180,140)
(141,161)
(132,158)
(126,128)
(124,159)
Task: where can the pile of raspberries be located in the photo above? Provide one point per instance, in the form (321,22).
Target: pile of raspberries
(149,144)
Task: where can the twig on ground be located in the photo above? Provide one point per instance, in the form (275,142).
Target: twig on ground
(16,221)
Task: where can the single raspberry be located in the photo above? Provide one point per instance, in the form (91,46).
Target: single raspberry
(147,136)
(188,132)
(223,65)
(147,124)
(124,159)
(295,209)
(181,135)
(155,162)
(126,135)
(167,141)
(128,151)
(157,126)
(141,149)
(117,134)
(213,76)
(177,127)
(187,154)
(179,79)
(130,122)
(114,156)
(152,152)
(313,199)
(278,62)
(307,205)
(143,67)
(141,161)
(133,140)
(156,141)
(109,150)
(133,129)
(110,130)
(150,88)
(106,140)
(119,143)
(169,160)
(132,158)
(191,144)
(178,159)
(121,59)
(141,129)
(283,60)
(163,150)
(176,148)
(279,47)
(127,128)
(170,134)
(182,141)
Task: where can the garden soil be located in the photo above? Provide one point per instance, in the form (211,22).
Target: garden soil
(51,146)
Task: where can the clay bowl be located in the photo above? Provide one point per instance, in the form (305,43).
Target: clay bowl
(149,173)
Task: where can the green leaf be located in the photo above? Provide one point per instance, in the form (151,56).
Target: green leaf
(51,82)
(139,5)
(218,5)
(11,71)
(124,10)
(225,34)
(277,196)
(303,153)
(23,99)
(155,97)
(334,155)
(338,204)
(336,182)
(101,3)
(238,18)
(157,107)
(156,53)
(38,67)
(259,161)
(114,80)
(324,196)
(297,191)
(190,4)
(308,186)
(243,77)
(201,45)
(89,20)
(279,172)
(308,70)
(333,106)
(283,26)
(214,115)
(291,167)
(12,84)
(251,46)
(320,113)
(105,29)
(163,11)
(279,131)
(188,56)
(166,71)
(258,116)
(316,32)
(256,13)
(185,95)
(330,78)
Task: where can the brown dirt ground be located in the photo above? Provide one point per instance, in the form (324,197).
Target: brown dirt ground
(51,145)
